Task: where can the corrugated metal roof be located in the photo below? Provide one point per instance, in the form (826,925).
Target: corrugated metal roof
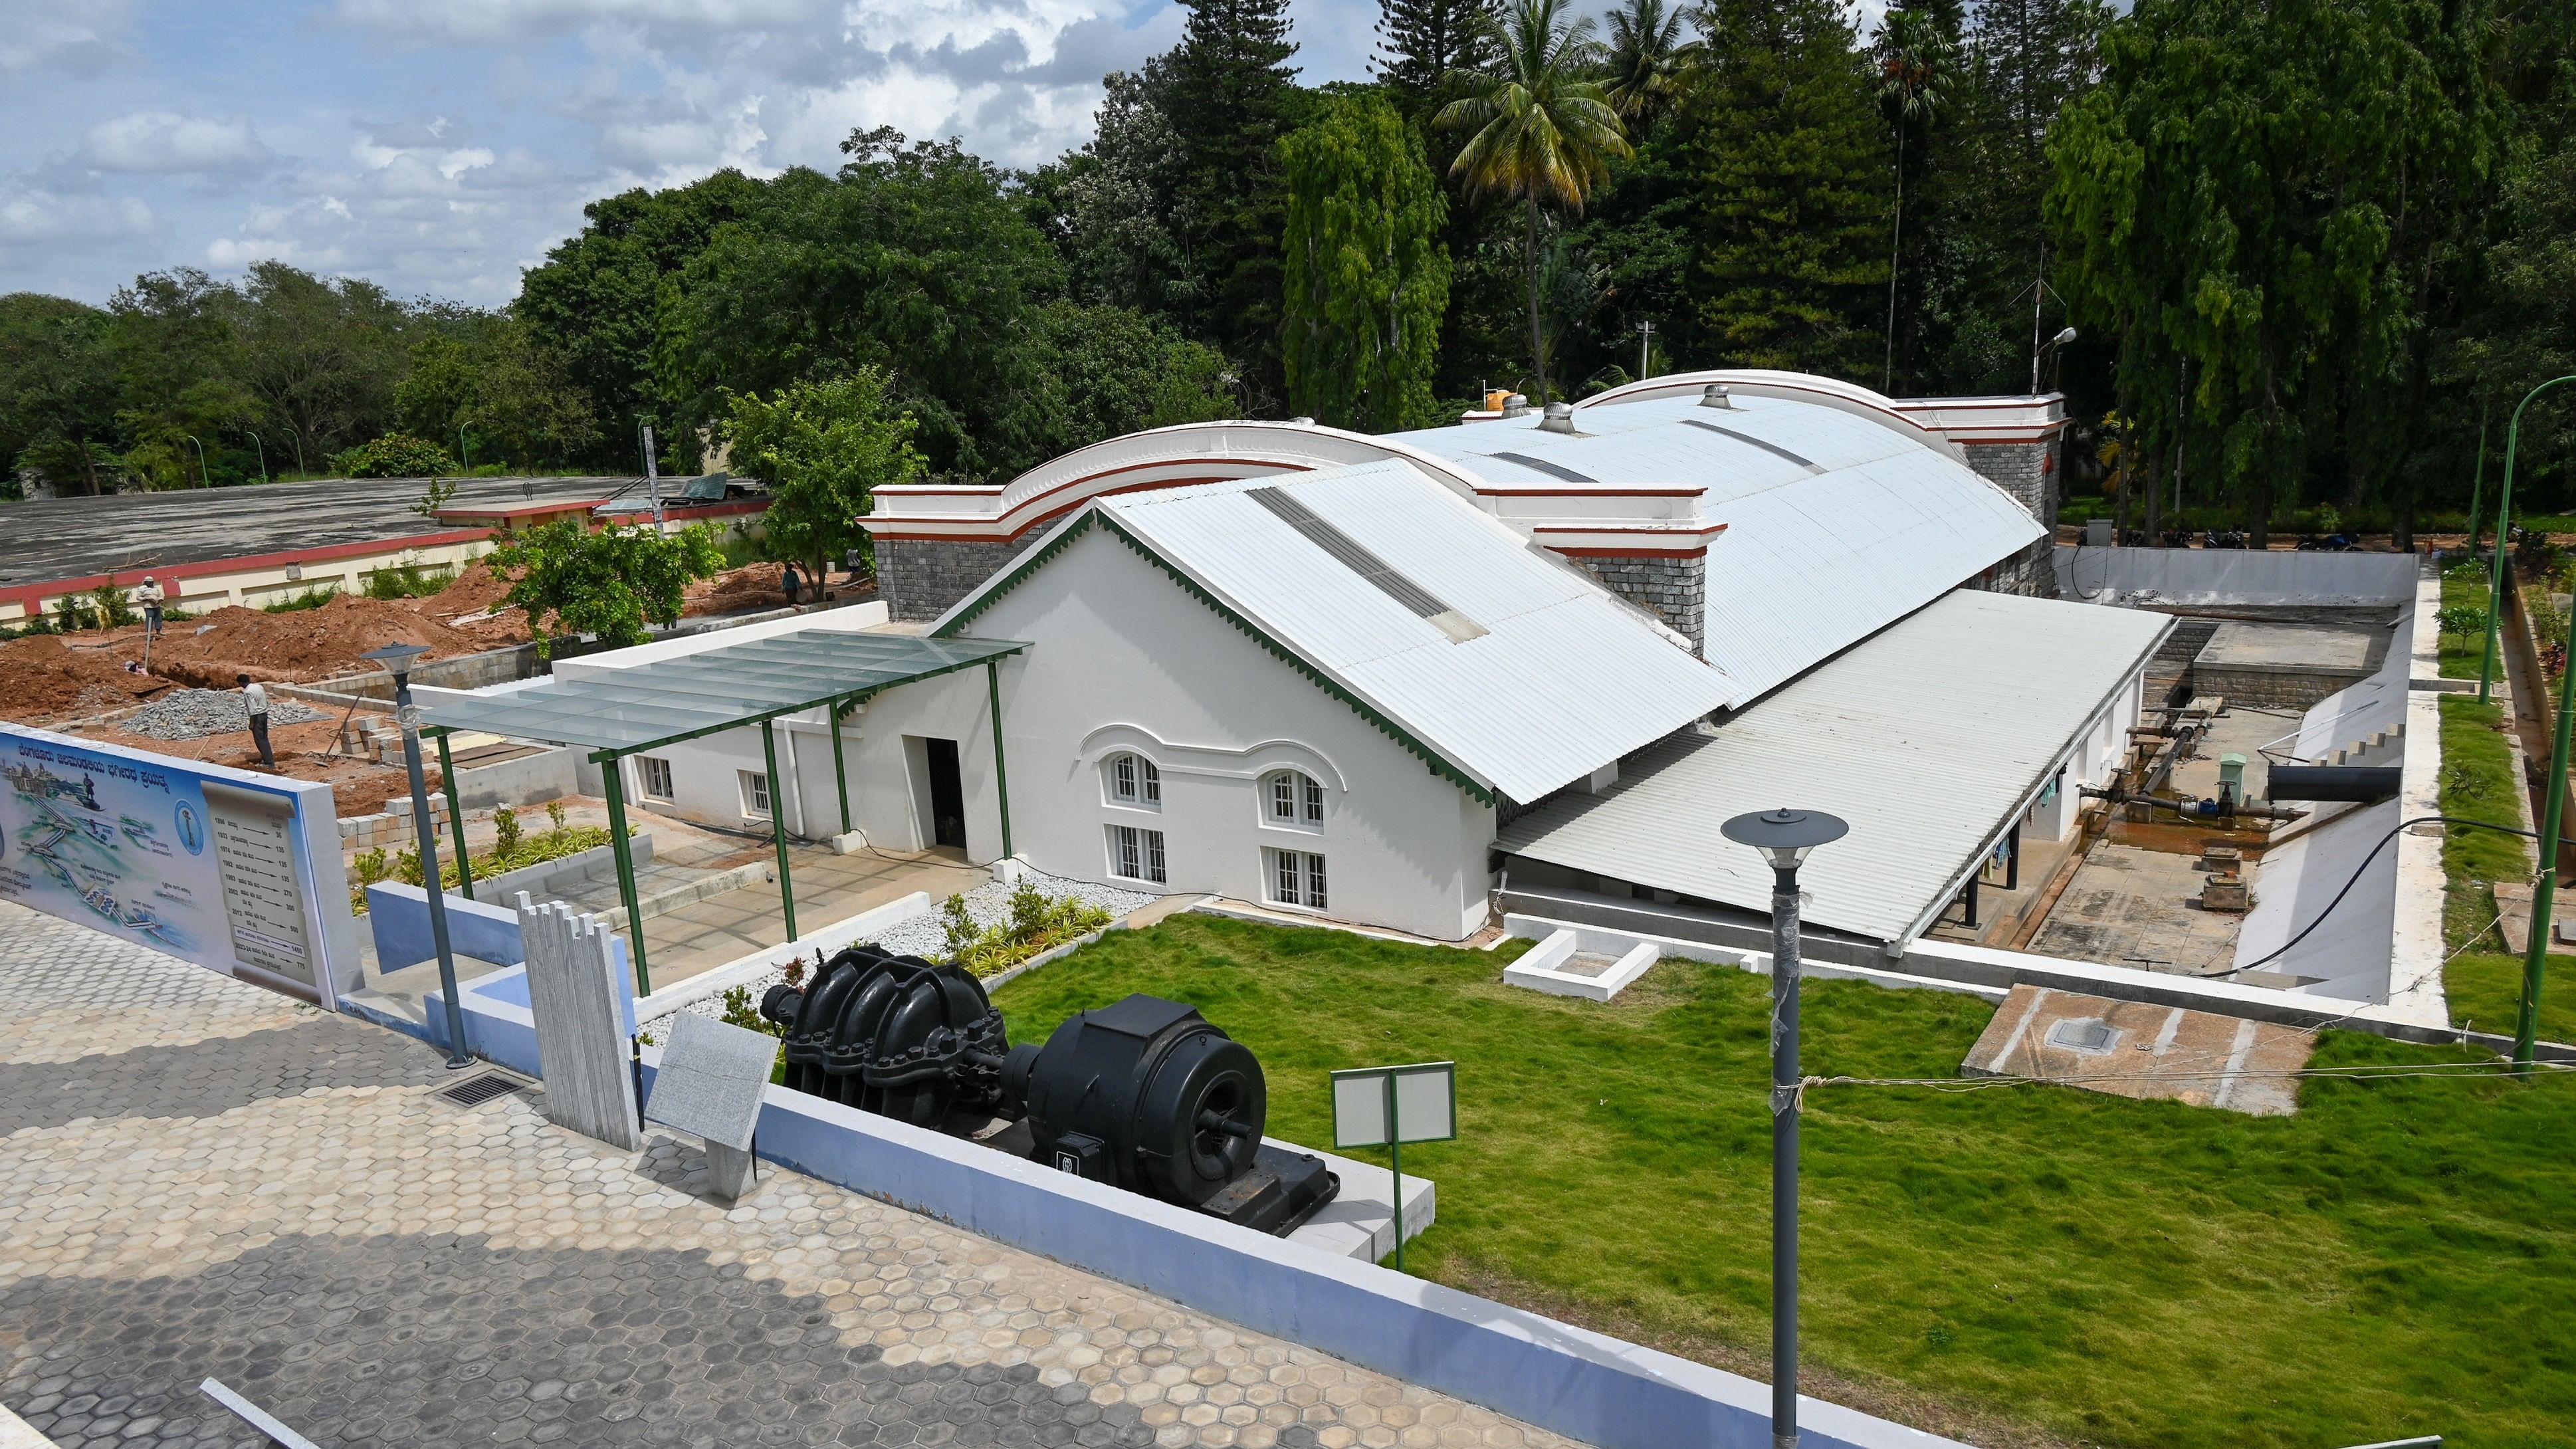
(1562,681)
(1835,525)
(1928,739)
(2352,946)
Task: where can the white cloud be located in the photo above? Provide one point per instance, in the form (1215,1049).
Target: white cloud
(167,142)
(485,21)
(31,215)
(76,35)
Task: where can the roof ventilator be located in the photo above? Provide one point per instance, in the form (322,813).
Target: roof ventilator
(1559,418)
(1515,406)
(1355,556)
(1715,395)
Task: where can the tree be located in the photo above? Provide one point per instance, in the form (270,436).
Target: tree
(1915,59)
(913,259)
(823,446)
(1099,372)
(2252,192)
(1421,41)
(58,388)
(608,584)
(1647,59)
(483,382)
(1541,129)
(1367,277)
(1791,189)
(1115,207)
(320,356)
(1230,95)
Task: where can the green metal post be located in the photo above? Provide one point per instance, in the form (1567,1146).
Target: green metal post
(455,816)
(840,767)
(612,772)
(2495,581)
(1395,1145)
(778,827)
(2526,1030)
(1001,777)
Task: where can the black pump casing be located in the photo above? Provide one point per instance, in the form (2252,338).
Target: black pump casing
(1176,1105)
(895,1035)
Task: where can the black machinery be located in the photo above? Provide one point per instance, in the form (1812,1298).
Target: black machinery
(1146,1094)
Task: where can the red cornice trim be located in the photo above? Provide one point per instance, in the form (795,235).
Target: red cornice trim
(1035,499)
(1590,492)
(26,594)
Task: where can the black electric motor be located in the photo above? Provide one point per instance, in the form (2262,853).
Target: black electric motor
(895,1035)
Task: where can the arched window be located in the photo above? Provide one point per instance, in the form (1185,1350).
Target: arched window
(1134,780)
(1292,798)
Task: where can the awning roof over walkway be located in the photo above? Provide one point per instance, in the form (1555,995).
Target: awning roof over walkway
(1931,738)
(717,689)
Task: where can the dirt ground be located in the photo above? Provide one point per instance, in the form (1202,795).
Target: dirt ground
(358,787)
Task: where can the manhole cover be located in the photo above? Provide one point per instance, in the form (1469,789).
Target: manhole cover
(2091,1036)
(481,1089)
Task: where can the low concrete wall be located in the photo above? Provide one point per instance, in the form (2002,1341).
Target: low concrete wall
(398,914)
(1578,1383)
(464,671)
(2233,576)
(526,780)
(540,879)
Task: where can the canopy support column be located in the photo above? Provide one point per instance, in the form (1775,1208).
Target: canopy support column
(613,784)
(840,765)
(455,817)
(1001,776)
(778,826)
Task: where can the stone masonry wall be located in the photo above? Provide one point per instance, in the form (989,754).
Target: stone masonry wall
(1674,590)
(920,578)
(2027,471)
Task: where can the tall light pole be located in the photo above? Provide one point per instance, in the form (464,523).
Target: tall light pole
(263,454)
(397,661)
(2526,1027)
(203,479)
(1784,837)
(1645,343)
(2495,575)
(298,439)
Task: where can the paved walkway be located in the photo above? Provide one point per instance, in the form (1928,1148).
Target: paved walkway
(200,1178)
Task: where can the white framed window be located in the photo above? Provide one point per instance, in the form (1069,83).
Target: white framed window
(1135,780)
(1137,854)
(755,793)
(653,776)
(1297,879)
(1292,798)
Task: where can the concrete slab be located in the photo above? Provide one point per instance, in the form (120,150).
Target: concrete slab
(2132,907)
(2288,647)
(2134,1049)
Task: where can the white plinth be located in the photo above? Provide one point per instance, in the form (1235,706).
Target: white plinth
(1360,1221)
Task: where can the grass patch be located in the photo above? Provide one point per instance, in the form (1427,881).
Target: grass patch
(312,598)
(2484,985)
(2398,1258)
(2464,586)
(408,581)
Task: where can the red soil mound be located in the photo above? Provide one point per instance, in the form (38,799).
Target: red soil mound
(39,678)
(303,645)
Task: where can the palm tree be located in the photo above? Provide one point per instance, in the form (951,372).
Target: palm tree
(1647,58)
(1544,130)
(1914,65)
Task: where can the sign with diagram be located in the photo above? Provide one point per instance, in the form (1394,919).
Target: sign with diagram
(226,868)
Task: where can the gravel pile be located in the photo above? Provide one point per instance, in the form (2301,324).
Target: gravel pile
(987,905)
(190,714)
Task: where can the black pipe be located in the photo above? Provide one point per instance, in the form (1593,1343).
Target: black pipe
(2363,783)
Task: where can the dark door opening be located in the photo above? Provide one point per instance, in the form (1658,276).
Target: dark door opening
(947,795)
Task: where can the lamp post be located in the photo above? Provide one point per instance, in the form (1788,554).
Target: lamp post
(1784,837)
(397,661)
(263,454)
(298,439)
(2527,1026)
(2504,519)
(203,480)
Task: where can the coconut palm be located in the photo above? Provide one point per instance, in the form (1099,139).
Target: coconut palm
(1544,129)
(1915,61)
(1646,58)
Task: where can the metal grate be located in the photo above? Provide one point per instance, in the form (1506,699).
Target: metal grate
(1351,553)
(1553,470)
(481,1089)
(2089,1036)
(1774,449)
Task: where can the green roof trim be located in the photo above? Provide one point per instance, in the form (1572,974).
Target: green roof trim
(994,588)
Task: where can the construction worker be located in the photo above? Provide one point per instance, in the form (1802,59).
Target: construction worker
(256,700)
(149,596)
(792,582)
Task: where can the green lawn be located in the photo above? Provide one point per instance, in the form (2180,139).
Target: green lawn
(2463,653)
(2484,986)
(2014,1264)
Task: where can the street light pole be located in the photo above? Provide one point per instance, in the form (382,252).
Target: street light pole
(2526,1028)
(263,454)
(397,661)
(1784,837)
(1645,343)
(203,479)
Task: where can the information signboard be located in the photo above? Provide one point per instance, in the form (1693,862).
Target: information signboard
(227,868)
(1390,1106)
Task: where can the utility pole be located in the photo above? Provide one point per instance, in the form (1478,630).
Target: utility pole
(1645,341)
(2038,294)
(653,480)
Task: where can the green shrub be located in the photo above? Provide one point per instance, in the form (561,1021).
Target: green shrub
(2463,619)
(312,598)
(395,455)
(505,834)
(112,606)
(1038,923)
(71,615)
(408,581)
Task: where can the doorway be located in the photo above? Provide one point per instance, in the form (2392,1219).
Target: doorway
(947,795)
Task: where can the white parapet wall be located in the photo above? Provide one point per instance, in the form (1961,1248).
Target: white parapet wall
(1545,968)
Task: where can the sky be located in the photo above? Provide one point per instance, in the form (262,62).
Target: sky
(439,147)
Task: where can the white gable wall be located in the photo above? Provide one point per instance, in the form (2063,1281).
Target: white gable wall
(1124,659)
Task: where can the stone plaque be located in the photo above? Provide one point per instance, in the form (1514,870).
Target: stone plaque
(710,1080)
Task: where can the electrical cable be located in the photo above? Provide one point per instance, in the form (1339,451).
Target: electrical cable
(2402,826)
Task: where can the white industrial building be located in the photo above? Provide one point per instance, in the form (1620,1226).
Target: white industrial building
(1372,679)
